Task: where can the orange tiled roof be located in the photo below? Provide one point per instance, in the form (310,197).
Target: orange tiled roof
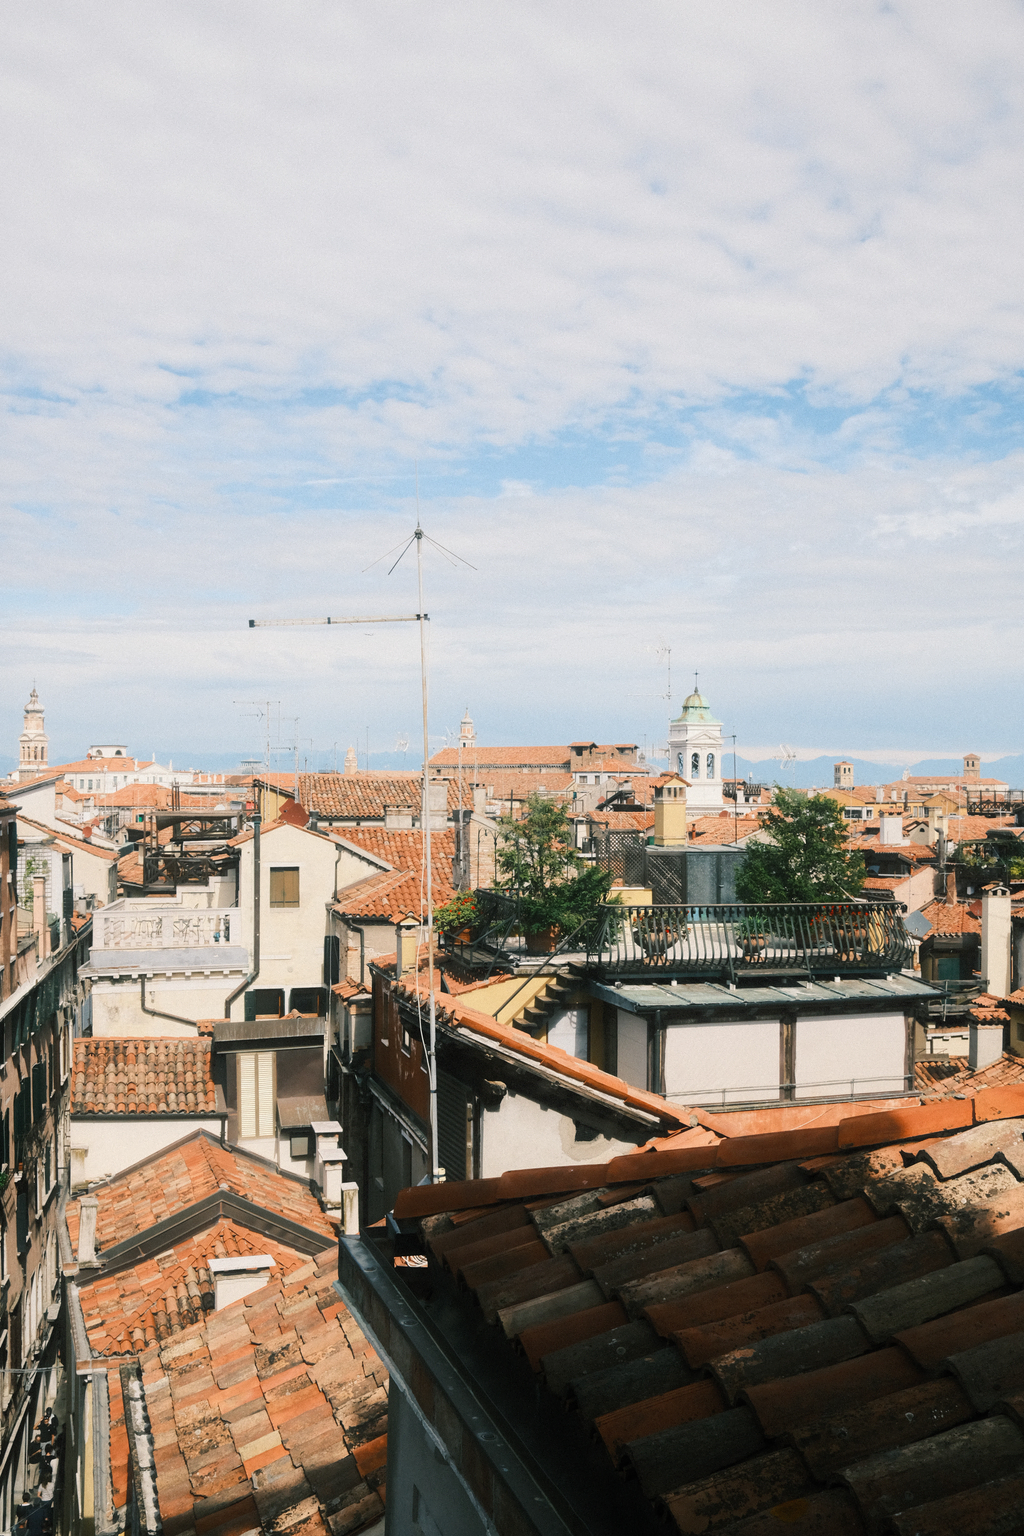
(105,765)
(269,1415)
(819,1327)
(365,795)
(955,1075)
(393,895)
(171,1181)
(151,1075)
(966,828)
(457,1015)
(153,1299)
(950,918)
(402,849)
(502,757)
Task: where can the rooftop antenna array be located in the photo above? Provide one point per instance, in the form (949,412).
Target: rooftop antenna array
(786,757)
(417,537)
(264,713)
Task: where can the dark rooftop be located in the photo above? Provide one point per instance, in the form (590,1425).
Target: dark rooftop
(821,1329)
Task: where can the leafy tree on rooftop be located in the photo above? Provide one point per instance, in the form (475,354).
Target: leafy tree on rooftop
(536,860)
(806,857)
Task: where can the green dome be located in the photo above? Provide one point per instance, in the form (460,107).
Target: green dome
(696,708)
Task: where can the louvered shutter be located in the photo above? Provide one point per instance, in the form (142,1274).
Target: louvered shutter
(454,1127)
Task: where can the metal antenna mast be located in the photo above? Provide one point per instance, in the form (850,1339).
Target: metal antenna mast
(436,1172)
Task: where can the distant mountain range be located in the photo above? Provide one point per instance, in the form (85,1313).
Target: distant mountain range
(816,772)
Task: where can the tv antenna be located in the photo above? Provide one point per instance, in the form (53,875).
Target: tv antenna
(264,713)
(417,537)
(663,653)
(786,756)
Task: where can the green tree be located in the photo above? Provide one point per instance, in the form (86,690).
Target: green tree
(536,861)
(806,857)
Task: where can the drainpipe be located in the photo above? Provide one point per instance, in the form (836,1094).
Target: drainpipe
(362,950)
(247,980)
(155,1013)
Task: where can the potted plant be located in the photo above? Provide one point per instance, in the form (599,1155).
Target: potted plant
(457,917)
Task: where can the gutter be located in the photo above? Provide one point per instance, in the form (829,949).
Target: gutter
(155,1013)
(248,980)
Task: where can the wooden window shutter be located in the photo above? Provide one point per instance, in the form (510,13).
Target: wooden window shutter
(284,887)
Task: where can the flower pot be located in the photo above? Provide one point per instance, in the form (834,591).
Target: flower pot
(542,941)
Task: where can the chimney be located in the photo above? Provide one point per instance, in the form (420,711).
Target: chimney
(951,887)
(87,1209)
(996,941)
(437,805)
(984,1043)
(890,832)
(402,961)
(460,858)
(39,922)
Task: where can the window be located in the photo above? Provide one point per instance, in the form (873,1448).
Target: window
(263,1002)
(311,1000)
(284,887)
(299,1145)
(711,765)
(695,765)
(255,1094)
(38,1090)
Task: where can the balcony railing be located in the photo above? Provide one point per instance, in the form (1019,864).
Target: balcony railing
(161,927)
(708,942)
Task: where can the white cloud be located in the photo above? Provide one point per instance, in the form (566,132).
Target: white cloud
(253,266)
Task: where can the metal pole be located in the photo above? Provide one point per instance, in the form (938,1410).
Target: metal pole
(435,1161)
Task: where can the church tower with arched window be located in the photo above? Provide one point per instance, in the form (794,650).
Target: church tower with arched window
(33,741)
(695,753)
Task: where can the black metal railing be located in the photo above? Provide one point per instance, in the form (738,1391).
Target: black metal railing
(720,941)
(809,938)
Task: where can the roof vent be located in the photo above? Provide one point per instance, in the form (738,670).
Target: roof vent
(238,1276)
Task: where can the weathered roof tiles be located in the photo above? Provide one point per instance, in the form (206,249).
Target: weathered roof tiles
(755,1334)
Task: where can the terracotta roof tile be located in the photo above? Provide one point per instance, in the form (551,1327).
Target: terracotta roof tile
(171,1181)
(904,1225)
(238,1447)
(149,1075)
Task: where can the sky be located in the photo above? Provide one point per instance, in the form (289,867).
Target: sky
(697,328)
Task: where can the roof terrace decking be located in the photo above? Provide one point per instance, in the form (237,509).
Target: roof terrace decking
(727,942)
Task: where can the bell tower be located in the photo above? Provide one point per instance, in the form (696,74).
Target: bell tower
(467,733)
(695,753)
(33,741)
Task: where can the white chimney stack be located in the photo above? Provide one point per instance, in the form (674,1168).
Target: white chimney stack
(88,1207)
(996,928)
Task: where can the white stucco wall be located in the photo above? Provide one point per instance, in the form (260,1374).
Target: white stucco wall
(631,1053)
(110,1146)
(568,1030)
(117,1007)
(724,1063)
(95,875)
(856,1053)
(523,1134)
(292,938)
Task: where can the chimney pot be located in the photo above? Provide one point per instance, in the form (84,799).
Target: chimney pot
(88,1207)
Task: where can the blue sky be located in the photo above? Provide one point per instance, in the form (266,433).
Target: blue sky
(703,326)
